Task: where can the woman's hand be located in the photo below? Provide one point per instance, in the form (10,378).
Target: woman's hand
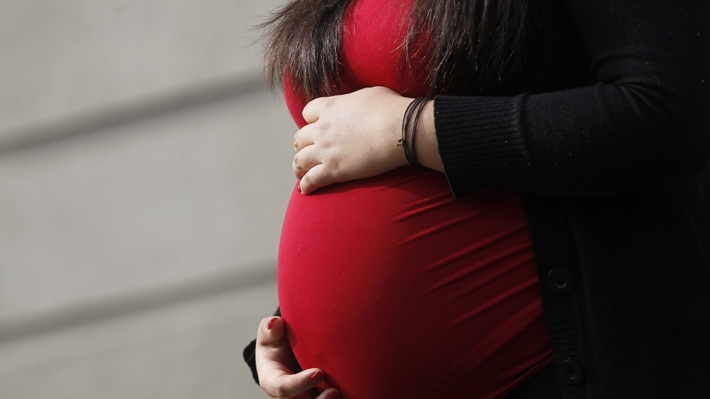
(275,362)
(349,137)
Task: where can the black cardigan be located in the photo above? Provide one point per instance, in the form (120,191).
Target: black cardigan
(611,154)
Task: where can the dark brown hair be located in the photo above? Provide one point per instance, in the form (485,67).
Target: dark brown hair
(476,45)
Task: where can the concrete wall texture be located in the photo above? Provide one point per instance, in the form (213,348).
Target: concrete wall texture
(144,173)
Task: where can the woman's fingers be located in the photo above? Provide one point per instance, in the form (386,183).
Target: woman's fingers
(303,138)
(289,386)
(354,136)
(274,363)
(311,112)
(349,137)
(315,178)
(272,331)
(304,161)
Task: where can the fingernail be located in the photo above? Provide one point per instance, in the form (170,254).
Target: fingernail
(317,377)
(271,322)
(333,395)
(298,188)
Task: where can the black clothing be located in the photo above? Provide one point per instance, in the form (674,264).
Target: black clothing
(616,194)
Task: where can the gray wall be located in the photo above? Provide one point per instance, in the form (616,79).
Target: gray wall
(144,173)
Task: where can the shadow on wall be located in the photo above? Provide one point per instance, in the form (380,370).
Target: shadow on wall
(145,169)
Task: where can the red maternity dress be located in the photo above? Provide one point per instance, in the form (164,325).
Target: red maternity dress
(389,284)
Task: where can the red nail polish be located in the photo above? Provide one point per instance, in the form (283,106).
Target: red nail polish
(271,322)
(317,377)
(333,395)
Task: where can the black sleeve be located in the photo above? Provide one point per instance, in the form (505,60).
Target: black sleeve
(248,354)
(645,121)
(250,351)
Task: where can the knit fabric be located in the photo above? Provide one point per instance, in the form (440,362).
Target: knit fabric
(615,180)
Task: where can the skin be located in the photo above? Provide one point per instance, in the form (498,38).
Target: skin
(348,137)
(354,136)
(275,362)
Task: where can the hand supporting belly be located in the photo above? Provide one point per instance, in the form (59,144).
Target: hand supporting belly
(396,289)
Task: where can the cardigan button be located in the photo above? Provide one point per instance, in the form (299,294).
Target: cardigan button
(560,281)
(571,372)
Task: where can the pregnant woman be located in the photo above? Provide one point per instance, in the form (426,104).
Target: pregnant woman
(397,254)
(574,138)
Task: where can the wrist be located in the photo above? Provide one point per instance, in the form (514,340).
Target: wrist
(396,137)
(426,146)
(409,129)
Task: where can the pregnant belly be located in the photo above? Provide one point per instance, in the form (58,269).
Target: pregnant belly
(396,290)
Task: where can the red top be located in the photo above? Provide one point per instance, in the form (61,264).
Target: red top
(390,285)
